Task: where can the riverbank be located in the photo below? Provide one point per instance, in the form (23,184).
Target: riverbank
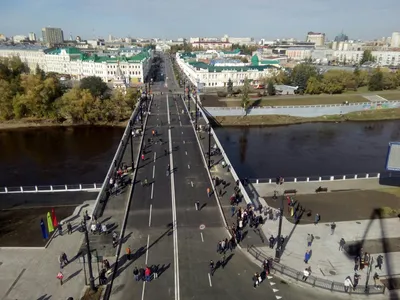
(30,122)
(276,120)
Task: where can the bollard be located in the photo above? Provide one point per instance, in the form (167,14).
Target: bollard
(66,187)
(320,179)
(80,186)
(367,176)
(379,175)
(295,179)
(355,176)
(22,189)
(344,177)
(332,178)
(308,179)
(36,189)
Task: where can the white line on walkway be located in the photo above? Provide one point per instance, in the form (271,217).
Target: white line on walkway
(185,152)
(182,132)
(209,279)
(180,123)
(202,238)
(152,191)
(184,142)
(151,208)
(144,286)
(147,249)
(188,166)
(191,183)
(154,170)
(174,221)
(154,157)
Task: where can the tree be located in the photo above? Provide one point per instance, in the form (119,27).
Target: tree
(301,73)
(95,85)
(245,94)
(6,100)
(314,86)
(282,77)
(271,88)
(229,87)
(39,72)
(367,57)
(131,96)
(389,81)
(334,81)
(376,81)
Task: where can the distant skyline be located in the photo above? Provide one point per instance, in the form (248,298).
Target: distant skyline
(177,18)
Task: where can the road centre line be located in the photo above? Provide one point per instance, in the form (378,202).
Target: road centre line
(188,166)
(154,171)
(154,159)
(152,191)
(202,238)
(147,249)
(191,183)
(185,152)
(151,208)
(209,279)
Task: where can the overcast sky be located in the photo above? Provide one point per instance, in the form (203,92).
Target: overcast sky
(359,19)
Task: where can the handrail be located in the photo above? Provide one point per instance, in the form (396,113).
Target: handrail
(94,187)
(318,178)
(312,280)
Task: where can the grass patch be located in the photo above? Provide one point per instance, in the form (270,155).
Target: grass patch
(390,96)
(388,212)
(93,295)
(272,120)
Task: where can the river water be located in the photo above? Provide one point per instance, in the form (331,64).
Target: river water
(314,149)
(62,155)
(56,155)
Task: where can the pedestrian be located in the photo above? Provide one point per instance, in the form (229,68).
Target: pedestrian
(316,219)
(142,157)
(147,274)
(208,192)
(379,262)
(307,256)
(347,284)
(306,273)
(271,241)
(356,279)
(60,229)
(356,263)
(197,205)
(106,264)
(103,277)
(376,278)
(64,259)
(212,267)
(136,274)
(342,242)
(128,253)
(309,240)
(145,182)
(61,261)
(155,271)
(333,227)
(233,209)
(60,277)
(69,228)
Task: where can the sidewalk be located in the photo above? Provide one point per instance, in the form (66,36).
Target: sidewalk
(31,273)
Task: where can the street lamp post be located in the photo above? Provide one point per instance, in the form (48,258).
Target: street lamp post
(209,146)
(131,126)
(195,103)
(366,289)
(89,254)
(141,112)
(278,251)
(184,88)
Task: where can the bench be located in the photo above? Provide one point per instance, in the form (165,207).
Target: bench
(292,191)
(321,189)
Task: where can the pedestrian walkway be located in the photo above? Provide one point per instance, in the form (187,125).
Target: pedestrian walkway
(31,273)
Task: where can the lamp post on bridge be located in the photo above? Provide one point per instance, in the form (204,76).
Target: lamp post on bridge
(209,146)
(197,111)
(89,254)
(131,127)
(278,251)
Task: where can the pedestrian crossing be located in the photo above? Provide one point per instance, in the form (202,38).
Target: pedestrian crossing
(270,278)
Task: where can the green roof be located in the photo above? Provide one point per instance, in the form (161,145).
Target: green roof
(69,50)
(188,55)
(133,59)
(270,62)
(255,61)
(202,65)
(236,51)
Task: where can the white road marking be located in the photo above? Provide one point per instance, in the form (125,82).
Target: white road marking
(151,208)
(180,123)
(188,166)
(174,221)
(154,160)
(144,286)
(202,238)
(209,279)
(182,132)
(185,152)
(147,249)
(152,191)
(272,283)
(269,277)
(154,170)
(275,290)
(191,183)
(278,297)
(184,142)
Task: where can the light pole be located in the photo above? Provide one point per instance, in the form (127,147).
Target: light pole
(366,289)
(131,126)
(195,103)
(141,111)
(209,146)
(89,254)
(184,88)
(278,251)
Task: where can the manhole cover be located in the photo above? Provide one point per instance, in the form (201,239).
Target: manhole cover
(332,272)
(358,222)
(317,237)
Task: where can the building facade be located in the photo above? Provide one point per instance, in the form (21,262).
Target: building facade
(32,36)
(71,61)
(316,37)
(382,58)
(52,36)
(395,40)
(202,74)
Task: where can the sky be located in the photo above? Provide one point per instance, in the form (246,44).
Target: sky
(359,19)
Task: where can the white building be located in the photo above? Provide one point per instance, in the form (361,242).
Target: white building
(71,61)
(298,53)
(383,58)
(202,74)
(395,40)
(19,38)
(316,37)
(32,36)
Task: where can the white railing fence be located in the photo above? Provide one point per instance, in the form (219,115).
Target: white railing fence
(95,187)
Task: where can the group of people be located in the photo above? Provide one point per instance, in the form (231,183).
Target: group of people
(146,274)
(117,182)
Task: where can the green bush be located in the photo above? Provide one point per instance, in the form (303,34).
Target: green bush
(222,94)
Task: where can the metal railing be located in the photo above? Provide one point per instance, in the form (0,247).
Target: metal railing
(314,281)
(51,188)
(328,177)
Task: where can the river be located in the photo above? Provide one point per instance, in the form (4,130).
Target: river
(72,155)
(56,155)
(314,149)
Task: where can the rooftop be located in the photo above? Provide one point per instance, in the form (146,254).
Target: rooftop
(24,47)
(69,50)
(108,59)
(204,66)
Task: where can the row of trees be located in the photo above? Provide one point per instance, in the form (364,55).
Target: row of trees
(42,96)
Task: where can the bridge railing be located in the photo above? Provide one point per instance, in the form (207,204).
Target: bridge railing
(116,161)
(311,280)
(51,188)
(323,178)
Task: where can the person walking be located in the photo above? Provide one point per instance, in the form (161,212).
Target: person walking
(306,273)
(347,284)
(309,240)
(136,274)
(333,227)
(60,229)
(342,242)
(147,274)
(271,241)
(208,192)
(307,256)
(379,262)
(317,219)
(168,170)
(69,228)
(60,276)
(65,259)
(212,267)
(356,279)
(128,253)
